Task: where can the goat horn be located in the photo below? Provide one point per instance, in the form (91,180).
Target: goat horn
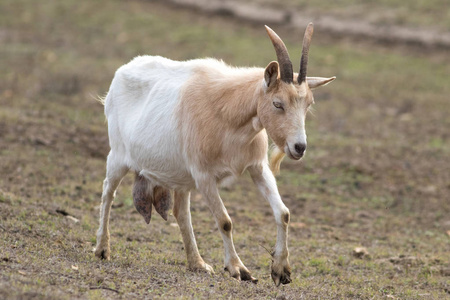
(286,71)
(304,61)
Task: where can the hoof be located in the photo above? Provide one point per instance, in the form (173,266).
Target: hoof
(102,254)
(242,274)
(202,267)
(283,277)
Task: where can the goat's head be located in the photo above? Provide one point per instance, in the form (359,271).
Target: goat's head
(283,107)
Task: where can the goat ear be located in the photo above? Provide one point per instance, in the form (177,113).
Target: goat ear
(271,74)
(315,82)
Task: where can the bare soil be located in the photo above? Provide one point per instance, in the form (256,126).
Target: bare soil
(355,24)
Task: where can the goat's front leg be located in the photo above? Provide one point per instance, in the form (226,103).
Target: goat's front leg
(264,179)
(233,264)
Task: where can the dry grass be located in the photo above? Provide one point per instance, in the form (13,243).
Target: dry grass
(376,174)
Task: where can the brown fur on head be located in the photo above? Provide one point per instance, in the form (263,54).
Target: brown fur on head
(283,106)
(282,110)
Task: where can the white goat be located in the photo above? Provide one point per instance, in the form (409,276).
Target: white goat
(185,125)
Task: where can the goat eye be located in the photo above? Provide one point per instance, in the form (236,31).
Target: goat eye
(278,105)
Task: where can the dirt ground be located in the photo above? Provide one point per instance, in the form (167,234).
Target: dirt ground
(414,23)
(376,174)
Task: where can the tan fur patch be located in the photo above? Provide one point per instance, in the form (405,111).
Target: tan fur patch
(219,109)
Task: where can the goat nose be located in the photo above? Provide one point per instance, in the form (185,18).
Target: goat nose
(300,148)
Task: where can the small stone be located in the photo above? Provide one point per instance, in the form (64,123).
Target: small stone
(73,219)
(360,252)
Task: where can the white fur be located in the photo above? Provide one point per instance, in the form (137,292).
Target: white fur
(140,108)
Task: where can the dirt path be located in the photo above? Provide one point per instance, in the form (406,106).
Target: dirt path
(296,20)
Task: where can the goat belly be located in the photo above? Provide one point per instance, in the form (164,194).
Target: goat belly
(142,199)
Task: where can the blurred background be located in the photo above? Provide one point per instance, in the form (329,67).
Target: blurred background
(376,174)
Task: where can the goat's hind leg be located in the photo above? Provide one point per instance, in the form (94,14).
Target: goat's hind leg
(181,211)
(233,264)
(115,171)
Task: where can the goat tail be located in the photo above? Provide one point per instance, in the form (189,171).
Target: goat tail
(101,99)
(276,157)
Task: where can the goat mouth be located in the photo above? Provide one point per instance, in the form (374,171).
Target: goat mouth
(292,156)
